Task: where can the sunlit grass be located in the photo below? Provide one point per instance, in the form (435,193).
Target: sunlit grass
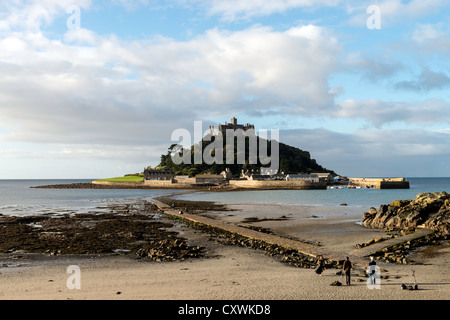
(124,179)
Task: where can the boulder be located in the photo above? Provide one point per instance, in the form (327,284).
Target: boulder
(431,210)
(336,284)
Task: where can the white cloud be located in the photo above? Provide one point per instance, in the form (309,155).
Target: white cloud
(379,113)
(231,10)
(10,153)
(445,131)
(429,41)
(375,152)
(394,11)
(34,14)
(370,68)
(47,161)
(426,32)
(427,80)
(105,90)
(96,98)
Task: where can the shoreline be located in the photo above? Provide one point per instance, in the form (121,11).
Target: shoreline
(89,185)
(225,271)
(244,185)
(234,274)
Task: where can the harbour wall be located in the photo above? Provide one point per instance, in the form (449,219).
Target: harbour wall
(381,183)
(157,184)
(232,184)
(277,185)
(243,184)
(121,184)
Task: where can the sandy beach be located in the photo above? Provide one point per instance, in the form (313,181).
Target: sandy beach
(228,272)
(236,273)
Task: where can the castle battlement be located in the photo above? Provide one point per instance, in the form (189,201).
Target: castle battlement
(235,126)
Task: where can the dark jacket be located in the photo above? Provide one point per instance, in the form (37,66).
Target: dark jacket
(347,265)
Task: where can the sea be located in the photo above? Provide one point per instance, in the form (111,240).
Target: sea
(18,198)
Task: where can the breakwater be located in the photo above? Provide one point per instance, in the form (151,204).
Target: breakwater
(243,184)
(278,185)
(380,183)
(240,184)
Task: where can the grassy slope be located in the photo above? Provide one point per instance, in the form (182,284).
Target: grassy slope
(124,179)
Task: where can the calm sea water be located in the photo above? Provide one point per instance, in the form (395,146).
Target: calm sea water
(19,199)
(358,198)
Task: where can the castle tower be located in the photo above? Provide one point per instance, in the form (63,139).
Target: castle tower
(234,126)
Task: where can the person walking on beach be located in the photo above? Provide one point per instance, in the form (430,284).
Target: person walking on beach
(321,266)
(347,267)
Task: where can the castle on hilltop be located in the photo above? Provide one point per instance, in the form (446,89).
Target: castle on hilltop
(232,126)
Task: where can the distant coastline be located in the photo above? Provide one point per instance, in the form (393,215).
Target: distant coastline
(141,185)
(234,185)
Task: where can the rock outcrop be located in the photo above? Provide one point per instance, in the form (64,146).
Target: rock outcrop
(430,210)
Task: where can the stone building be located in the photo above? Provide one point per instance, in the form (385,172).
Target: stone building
(325,176)
(155,174)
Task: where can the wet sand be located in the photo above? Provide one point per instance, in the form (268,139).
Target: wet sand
(235,273)
(231,272)
(336,228)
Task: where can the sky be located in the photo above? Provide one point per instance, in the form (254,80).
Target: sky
(95,89)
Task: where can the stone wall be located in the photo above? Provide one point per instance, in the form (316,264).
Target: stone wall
(158,183)
(246,184)
(394,185)
(382,183)
(273,185)
(122,184)
(184,180)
